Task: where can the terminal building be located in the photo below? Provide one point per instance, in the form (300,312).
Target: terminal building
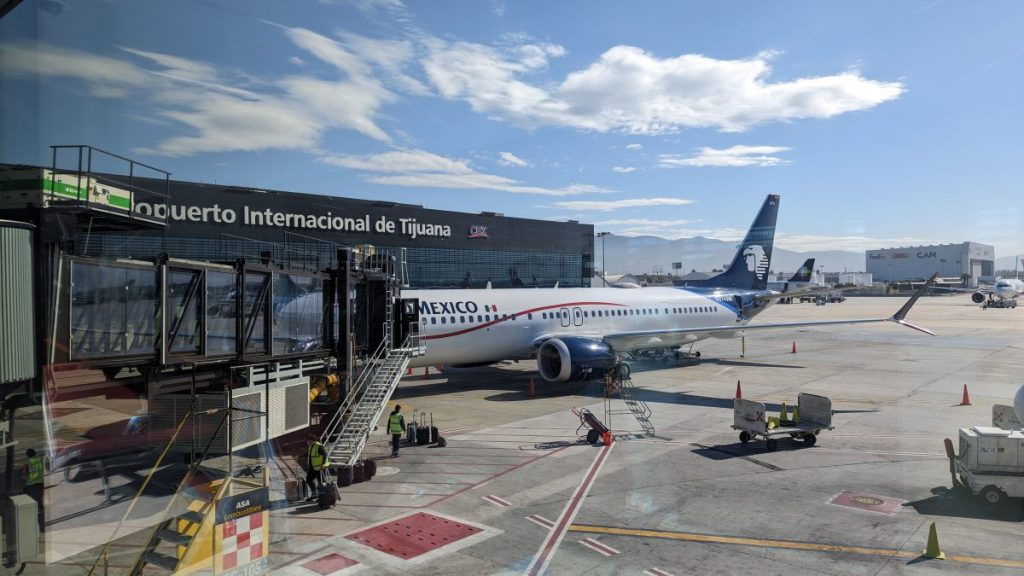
(976,261)
(441,249)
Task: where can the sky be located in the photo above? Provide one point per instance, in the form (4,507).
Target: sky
(879,123)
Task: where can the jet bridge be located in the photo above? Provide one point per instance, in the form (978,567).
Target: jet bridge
(136,363)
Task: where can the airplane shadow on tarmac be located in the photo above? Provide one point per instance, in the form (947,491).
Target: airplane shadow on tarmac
(961,503)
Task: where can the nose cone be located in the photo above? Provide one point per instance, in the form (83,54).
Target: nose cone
(1018,404)
(1003,291)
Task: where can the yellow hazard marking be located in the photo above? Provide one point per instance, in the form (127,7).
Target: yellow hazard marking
(789,544)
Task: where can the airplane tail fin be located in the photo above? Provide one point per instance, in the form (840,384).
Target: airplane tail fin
(749,268)
(804,273)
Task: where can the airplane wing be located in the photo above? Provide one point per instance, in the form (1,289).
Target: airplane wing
(678,336)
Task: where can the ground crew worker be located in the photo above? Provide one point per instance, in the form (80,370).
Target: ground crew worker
(396,425)
(317,461)
(33,475)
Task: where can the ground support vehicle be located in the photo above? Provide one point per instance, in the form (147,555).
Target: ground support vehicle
(812,415)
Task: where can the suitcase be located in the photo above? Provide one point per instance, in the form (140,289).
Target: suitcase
(434,434)
(369,469)
(422,431)
(441,442)
(410,433)
(295,490)
(328,491)
(358,473)
(344,475)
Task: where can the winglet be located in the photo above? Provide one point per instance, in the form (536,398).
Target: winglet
(901,314)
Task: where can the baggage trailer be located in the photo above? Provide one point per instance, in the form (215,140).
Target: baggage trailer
(815,416)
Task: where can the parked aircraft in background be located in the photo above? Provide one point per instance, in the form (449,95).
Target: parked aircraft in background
(799,281)
(578,333)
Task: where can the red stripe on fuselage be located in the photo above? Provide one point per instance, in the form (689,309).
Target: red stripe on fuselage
(528,311)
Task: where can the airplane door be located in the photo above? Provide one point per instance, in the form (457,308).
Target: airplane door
(563,313)
(577,316)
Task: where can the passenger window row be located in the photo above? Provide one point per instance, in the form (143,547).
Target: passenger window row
(479,318)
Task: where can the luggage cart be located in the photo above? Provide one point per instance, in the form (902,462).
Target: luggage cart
(815,416)
(587,420)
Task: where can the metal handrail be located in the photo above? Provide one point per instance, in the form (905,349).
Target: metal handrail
(354,393)
(367,377)
(184,484)
(145,483)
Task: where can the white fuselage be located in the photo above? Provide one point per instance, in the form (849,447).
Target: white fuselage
(1006,289)
(478,326)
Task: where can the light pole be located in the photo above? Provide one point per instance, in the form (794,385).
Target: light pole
(943,260)
(604,271)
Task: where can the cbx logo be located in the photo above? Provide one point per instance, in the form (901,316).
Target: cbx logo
(478,232)
(447,307)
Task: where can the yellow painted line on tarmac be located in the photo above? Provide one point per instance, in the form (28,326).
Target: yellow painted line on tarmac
(788,544)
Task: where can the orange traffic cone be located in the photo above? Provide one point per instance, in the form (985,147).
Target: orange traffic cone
(426,371)
(408,371)
(532,391)
(607,438)
(739,391)
(794,347)
(966,401)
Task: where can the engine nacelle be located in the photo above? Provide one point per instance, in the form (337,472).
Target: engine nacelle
(573,359)
(978,298)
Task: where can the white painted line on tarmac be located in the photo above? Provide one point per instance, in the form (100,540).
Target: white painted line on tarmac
(541,521)
(652,571)
(598,547)
(540,561)
(497,501)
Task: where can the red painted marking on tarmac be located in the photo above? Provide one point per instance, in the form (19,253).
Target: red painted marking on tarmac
(543,556)
(598,547)
(330,564)
(868,502)
(414,535)
(498,475)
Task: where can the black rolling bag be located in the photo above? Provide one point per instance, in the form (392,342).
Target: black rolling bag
(328,490)
(434,434)
(422,430)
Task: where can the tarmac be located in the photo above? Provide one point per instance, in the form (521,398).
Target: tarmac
(517,491)
(520,493)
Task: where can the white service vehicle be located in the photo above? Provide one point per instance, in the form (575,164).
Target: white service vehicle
(991,462)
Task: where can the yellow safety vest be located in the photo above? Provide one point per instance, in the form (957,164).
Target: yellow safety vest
(317,456)
(35,471)
(395,423)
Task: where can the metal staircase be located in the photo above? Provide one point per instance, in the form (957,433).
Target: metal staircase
(346,434)
(618,383)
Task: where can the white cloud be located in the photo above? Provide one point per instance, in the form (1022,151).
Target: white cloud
(853,243)
(634,146)
(422,169)
(297,61)
(510,159)
(107,77)
(734,156)
(632,91)
(609,205)
(624,169)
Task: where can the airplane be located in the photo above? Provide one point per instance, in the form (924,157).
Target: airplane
(799,281)
(1003,293)
(579,333)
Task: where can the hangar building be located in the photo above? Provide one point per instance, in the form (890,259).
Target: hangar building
(918,262)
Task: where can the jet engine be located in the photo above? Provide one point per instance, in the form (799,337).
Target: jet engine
(978,298)
(572,359)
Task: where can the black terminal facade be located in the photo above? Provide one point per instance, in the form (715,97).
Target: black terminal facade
(441,249)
